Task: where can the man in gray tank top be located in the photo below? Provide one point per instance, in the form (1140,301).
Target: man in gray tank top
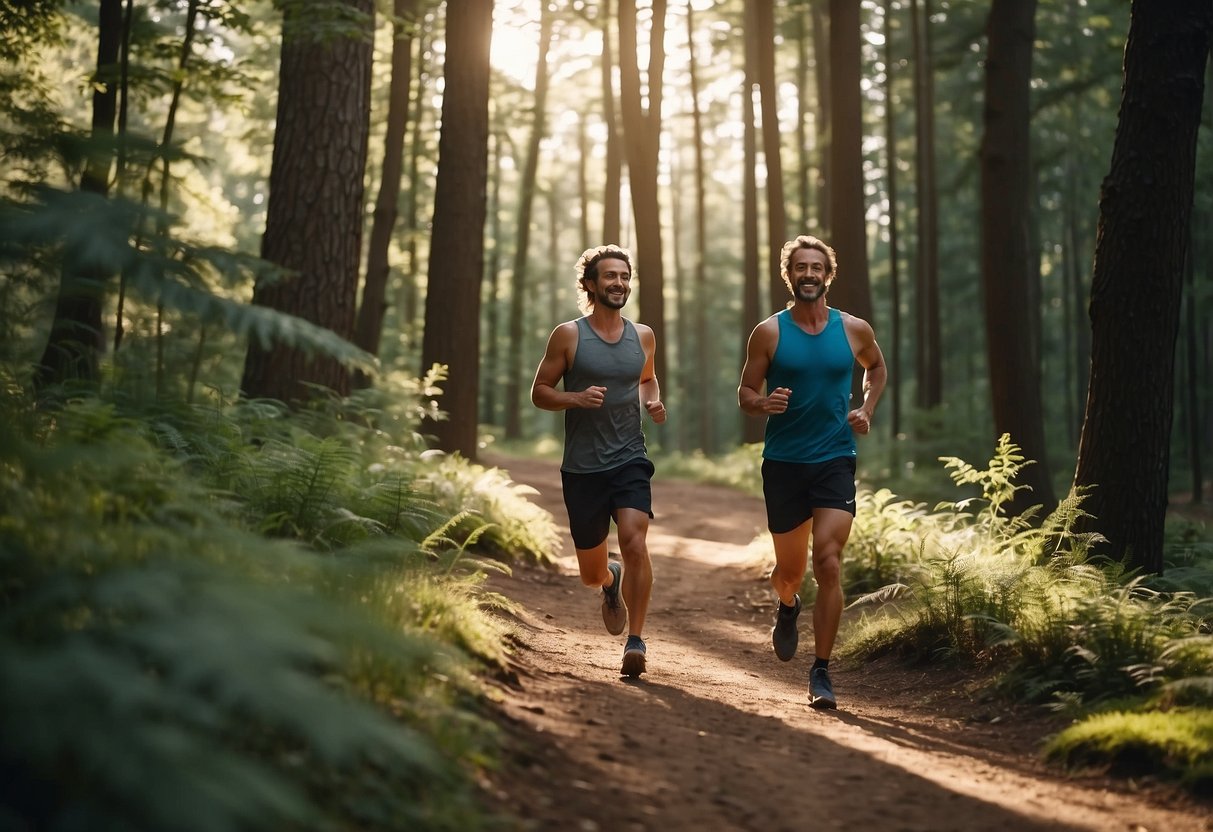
(606,364)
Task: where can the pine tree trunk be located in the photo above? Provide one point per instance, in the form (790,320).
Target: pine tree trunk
(452,300)
(76,341)
(1144,210)
(316,210)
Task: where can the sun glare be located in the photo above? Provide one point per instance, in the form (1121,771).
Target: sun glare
(515,46)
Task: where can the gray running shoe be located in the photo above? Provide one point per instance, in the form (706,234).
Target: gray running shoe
(821,692)
(614,611)
(784,635)
(633,657)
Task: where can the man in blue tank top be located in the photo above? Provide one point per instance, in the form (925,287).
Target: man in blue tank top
(803,357)
(606,364)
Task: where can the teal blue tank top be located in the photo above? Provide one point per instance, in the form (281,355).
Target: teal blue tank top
(606,437)
(817,369)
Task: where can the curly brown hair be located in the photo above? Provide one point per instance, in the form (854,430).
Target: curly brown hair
(587,269)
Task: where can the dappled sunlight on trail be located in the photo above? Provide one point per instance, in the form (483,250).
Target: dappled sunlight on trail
(718,734)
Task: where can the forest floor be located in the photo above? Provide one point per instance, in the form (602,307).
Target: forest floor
(718,734)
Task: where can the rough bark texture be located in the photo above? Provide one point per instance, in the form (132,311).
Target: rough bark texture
(642,126)
(1144,208)
(315,216)
(851,290)
(452,300)
(1006,252)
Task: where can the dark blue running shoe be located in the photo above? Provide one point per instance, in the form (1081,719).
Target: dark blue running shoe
(633,657)
(614,611)
(784,635)
(821,692)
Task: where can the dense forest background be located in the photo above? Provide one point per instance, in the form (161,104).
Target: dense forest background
(418,179)
(274,275)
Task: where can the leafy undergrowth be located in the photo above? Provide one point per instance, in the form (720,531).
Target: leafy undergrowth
(964,585)
(241,617)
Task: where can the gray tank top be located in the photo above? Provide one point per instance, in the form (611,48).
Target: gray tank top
(599,439)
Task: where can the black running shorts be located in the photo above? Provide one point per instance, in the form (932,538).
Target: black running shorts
(793,489)
(592,499)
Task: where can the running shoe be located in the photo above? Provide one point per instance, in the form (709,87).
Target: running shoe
(821,692)
(633,657)
(784,635)
(614,611)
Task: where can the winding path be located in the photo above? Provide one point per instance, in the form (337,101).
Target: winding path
(718,734)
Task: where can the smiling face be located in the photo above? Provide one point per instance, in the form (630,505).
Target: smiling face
(808,272)
(611,284)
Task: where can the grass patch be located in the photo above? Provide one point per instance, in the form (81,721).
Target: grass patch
(1175,744)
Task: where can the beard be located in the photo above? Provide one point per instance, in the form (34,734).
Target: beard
(610,301)
(810,292)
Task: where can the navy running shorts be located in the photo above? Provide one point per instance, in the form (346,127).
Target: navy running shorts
(592,499)
(793,489)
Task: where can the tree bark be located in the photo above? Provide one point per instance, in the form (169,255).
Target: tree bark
(777,224)
(851,290)
(614,154)
(1144,210)
(642,125)
(315,216)
(752,427)
(928,348)
(368,329)
(1006,247)
(452,301)
(702,305)
(893,347)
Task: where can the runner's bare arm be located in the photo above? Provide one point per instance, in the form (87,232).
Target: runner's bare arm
(562,346)
(759,350)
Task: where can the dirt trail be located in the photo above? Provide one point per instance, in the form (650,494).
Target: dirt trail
(718,734)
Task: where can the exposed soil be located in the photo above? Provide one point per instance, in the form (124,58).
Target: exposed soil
(718,734)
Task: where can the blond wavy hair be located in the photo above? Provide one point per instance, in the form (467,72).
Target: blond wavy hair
(806,241)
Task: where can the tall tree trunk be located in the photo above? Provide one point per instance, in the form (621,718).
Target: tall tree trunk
(1144,210)
(683,298)
(614,153)
(583,187)
(851,290)
(1006,248)
(821,72)
(642,125)
(490,381)
(777,224)
(701,307)
(804,189)
(522,237)
(76,340)
(368,328)
(410,296)
(751,426)
(1192,377)
(314,221)
(893,347)
(452,299)
(928,348)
